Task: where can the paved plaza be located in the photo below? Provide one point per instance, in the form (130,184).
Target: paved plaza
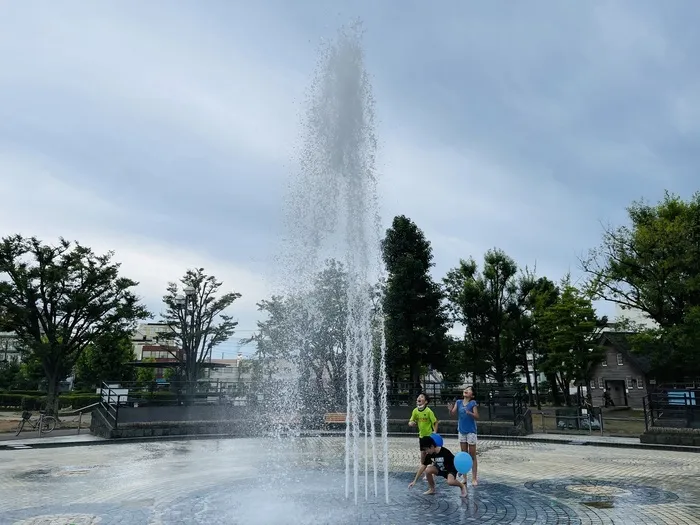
(302,481)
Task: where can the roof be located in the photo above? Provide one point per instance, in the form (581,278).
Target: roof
(621,342)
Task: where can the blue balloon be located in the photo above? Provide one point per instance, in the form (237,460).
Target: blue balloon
(437,438)
(463,462)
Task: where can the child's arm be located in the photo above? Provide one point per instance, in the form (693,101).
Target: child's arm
(434,420)
(418,475)
(474,412)
(452,407)
(412,421)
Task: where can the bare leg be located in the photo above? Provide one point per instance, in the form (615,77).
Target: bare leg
(422,457)
(472,453)
(465,448)
(430,474)
(451,480)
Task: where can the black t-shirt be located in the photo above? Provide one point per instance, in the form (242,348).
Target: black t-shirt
(444,460)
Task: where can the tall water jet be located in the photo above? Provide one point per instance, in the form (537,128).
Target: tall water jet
(333,215)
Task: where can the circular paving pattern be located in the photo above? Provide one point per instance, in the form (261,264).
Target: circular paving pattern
(600,491)
(312,498)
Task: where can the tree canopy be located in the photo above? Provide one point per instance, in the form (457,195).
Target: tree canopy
(415,318)
(58,299)
(653,265)
(484,304)
(309,330)
(196,319)
(106,358)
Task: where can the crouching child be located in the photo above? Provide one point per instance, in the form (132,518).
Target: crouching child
(437,461)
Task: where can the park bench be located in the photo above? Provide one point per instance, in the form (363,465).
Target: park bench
(334,418)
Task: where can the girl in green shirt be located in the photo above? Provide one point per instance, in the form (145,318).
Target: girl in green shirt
(425,419)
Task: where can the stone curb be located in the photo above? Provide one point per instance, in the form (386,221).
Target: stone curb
(151,439)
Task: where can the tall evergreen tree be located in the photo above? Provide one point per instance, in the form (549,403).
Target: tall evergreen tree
(415,317)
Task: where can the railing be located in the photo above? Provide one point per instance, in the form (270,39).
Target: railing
(80,412)
(495,402)
(672,409)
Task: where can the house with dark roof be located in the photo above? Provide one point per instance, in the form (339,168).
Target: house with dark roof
(622,373)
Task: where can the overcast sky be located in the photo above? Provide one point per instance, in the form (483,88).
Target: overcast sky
(165,130)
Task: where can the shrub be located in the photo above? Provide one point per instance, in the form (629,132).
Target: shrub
(11,400)
(76,401)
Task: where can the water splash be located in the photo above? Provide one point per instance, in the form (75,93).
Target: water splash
(333,215)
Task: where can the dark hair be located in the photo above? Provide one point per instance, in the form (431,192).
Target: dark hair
(426,443)
(426,396)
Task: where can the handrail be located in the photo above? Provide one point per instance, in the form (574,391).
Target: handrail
(79,410)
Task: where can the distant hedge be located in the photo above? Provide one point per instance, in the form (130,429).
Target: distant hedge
(37,402)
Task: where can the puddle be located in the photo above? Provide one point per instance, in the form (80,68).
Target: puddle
(599,504)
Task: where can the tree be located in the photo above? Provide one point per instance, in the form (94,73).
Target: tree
(146,375)
(196,321)
(106,358)
(570,335)
(653,265)
(483,304)
(534,296)
(415,319)
(309,330)
(60,298)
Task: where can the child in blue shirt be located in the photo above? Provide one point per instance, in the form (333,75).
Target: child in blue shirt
(468,413)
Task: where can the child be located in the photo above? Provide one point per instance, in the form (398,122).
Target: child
(424,418)
(437,461)
(468,414)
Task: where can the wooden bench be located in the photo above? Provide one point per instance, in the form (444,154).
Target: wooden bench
(334,418)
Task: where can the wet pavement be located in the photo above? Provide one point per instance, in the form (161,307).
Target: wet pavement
(302,481)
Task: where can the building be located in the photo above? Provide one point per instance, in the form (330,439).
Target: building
(168,356)
(622,374)
(237,370)
(9,348)
(522,376)
(150,334)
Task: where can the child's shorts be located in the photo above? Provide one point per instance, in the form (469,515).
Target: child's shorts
(469,439)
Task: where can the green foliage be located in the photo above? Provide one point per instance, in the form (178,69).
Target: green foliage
(485,303)
(146,375)
(105,359)
(313,325)
(570,335)
(653,265)
(22,401)
(415,319)
(59,298)
(197,320)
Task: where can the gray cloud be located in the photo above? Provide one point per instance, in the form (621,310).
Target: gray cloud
(170,129)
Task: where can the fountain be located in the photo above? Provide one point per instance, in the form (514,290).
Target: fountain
(333,214)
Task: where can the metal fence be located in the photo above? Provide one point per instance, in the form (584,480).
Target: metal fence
(672,408)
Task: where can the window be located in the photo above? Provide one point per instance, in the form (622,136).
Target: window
(593,383)
(628,380)
(601,383)
(634,383)
(619,359)
(640,383)
(605,360)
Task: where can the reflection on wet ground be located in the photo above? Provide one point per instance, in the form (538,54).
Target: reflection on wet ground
(302,481)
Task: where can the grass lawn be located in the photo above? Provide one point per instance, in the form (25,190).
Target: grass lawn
(615,423)
(10,419)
